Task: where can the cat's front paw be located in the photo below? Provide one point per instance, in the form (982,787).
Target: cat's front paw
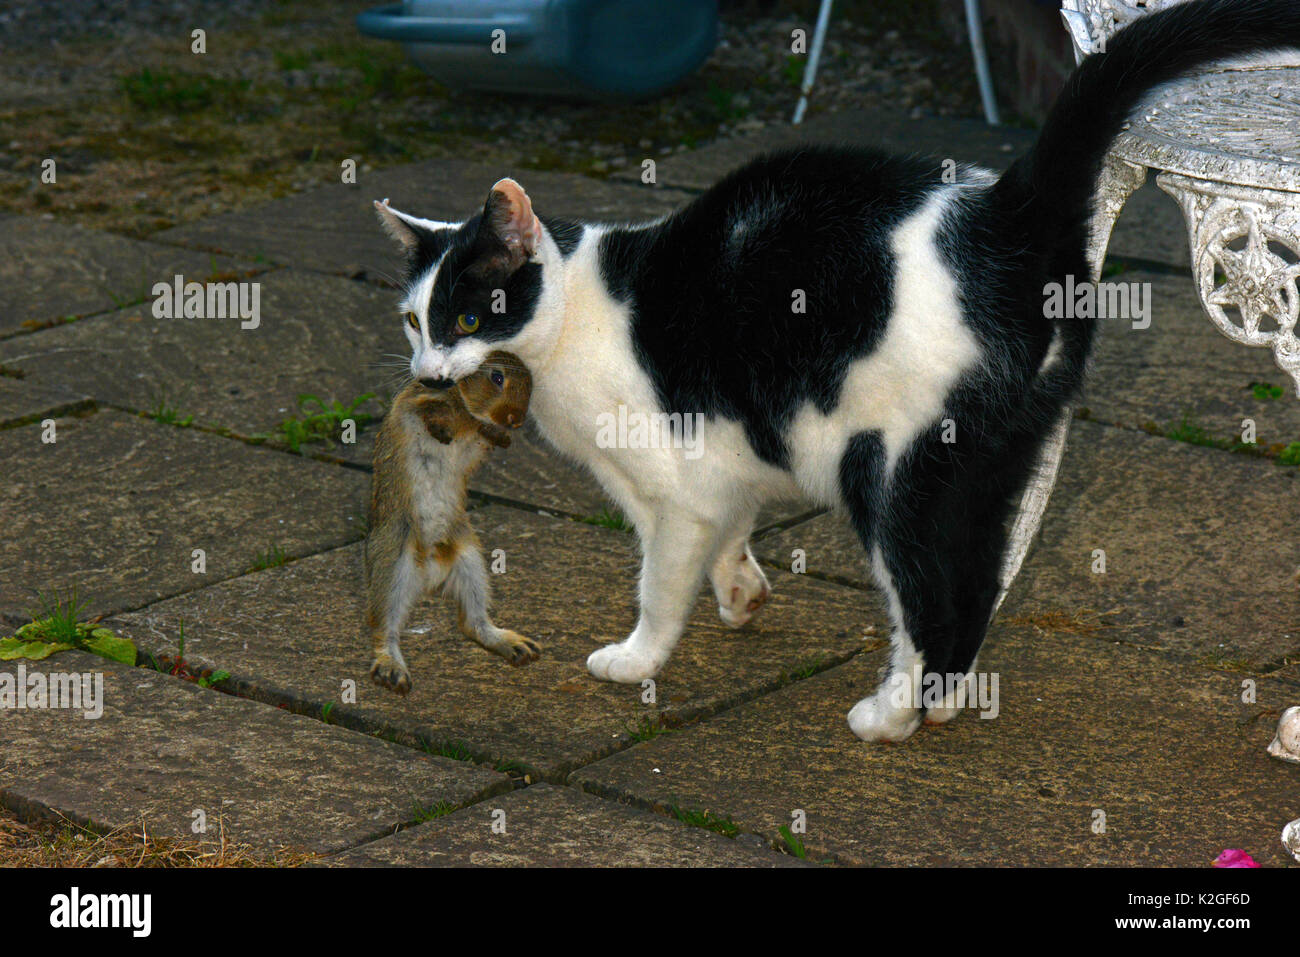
(623,664)
(877,719)
(741,589)
(391,674)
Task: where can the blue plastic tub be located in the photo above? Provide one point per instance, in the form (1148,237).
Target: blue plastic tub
(584,48)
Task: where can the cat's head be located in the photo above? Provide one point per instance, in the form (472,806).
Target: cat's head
(475,287)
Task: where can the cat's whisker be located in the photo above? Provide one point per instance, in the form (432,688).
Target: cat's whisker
(385,275)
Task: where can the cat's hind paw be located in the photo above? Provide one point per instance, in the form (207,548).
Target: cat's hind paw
(876,719)
(391,674)
(622,664)
(953,703)
(741,589)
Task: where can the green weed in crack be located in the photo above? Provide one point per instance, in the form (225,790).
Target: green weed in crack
(719,824)
(164,413)
(793,845)
(58,625)
(178,667)
(273,557)
(608,518)
(647,729)
(319,422)
(431,812)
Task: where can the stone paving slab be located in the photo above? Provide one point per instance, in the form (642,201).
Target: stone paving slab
(1199,555)
(1151,227)
(117,503)
(828,548)
(334,228)
(549,826)
(24,402)
(294,634)
(164,748)
(1182,366)
(318,335)
(50,271)
(1166,751)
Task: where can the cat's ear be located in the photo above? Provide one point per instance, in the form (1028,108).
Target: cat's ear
(405,229)
(510,231)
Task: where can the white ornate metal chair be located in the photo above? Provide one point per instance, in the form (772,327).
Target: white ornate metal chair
(1227,145)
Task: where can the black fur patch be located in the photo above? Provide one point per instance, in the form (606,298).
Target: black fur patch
(713,288)
(467,283)
(566,232)
(429,247)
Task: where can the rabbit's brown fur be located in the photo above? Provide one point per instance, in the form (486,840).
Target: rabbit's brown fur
(420,539)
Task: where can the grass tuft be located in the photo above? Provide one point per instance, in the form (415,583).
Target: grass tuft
(431,812)
(793,845)
(273,557)
(608,518)
(707,820)
(175,92)
(647,729)
(164,413)
(1265,390)
(59,626)
(319,422)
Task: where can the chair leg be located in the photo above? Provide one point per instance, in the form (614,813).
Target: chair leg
(814,55)
(975,28)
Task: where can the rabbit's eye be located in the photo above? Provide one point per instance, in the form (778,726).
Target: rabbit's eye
(498,378)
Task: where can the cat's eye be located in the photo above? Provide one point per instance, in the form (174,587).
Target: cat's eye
(467,322)
(413,321)
(498,378)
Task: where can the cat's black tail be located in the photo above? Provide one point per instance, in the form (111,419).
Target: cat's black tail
(1049,191)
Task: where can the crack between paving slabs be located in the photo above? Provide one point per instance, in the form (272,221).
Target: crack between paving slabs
(38,326)
(78,408)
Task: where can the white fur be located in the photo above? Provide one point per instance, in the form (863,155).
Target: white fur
(436,472)
(877,717)
(901,387)
(1053,354)
(963,691)
(738,583)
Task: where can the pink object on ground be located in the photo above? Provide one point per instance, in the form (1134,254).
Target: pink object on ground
(1234,857)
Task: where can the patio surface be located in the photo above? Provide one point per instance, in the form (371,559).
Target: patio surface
(1120,693)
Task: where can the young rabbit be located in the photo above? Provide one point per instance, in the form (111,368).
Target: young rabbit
(420,539)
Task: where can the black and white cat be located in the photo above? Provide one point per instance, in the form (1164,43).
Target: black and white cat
(924,302)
